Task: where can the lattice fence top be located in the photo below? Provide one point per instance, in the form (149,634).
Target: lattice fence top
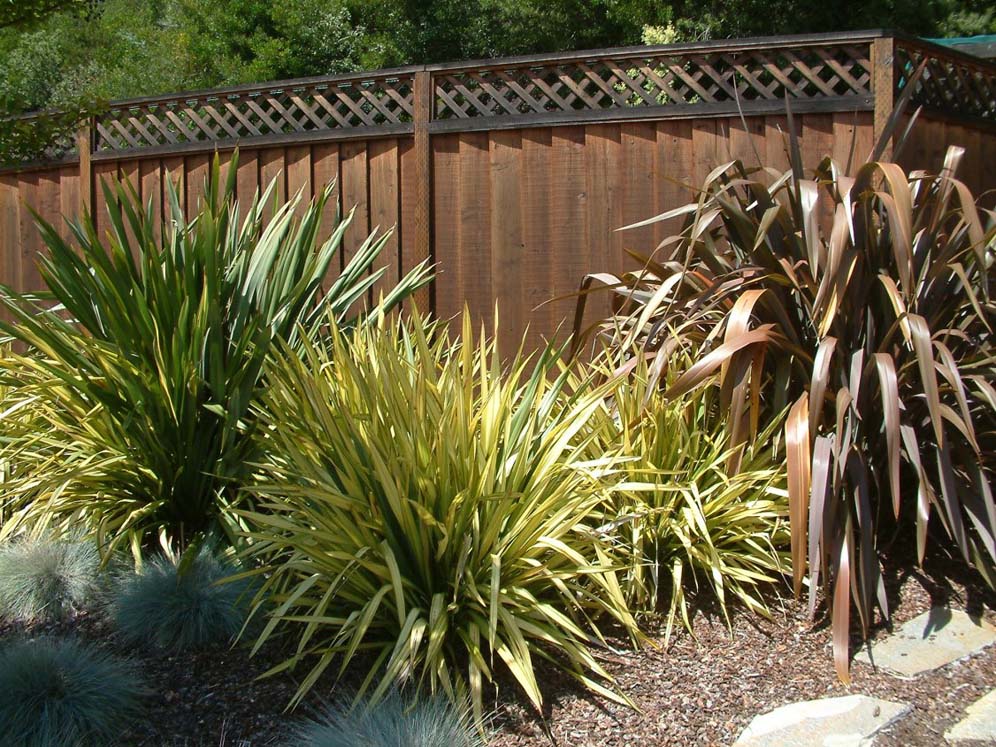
(656,79)
(239,114)
(950,83)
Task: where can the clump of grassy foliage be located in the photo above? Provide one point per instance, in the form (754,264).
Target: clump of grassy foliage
(60,692)
(47,579)
(425,722)
(145,354)
(425,506)
(687,510)
(182,603)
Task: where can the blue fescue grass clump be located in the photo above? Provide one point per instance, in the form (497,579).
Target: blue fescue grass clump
(60,692)
(392,722)
(182,605)
(44,579)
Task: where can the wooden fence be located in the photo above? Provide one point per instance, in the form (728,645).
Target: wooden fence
(512,174)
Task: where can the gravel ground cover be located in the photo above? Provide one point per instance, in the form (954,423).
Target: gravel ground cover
(701,690)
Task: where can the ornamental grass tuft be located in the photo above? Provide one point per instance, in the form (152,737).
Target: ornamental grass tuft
(57,693)
(392,722)
(44,579)
(179,606)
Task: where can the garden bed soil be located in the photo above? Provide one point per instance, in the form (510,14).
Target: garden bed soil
(701,690)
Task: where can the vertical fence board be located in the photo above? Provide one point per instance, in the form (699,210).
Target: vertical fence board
(569,246)
(776,142)
(173,171)
(384,187)
(673,186)
(150,175)
(639,163)
(197,169)
(816,144)
(105,174)
(406,207)
(353,168)
(325,171)
(10,261)
(30,242)
(706,150)
(69,201)
(474,228)
(602,186)
(128,173)
(46,204)
(537,225)
(746,144)
(845,142)
(446,221)
(299,177)
(272,168)
(247,179)
(507,242)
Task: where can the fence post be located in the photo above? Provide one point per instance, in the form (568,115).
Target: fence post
(883,55)
(423,95)
(84,147)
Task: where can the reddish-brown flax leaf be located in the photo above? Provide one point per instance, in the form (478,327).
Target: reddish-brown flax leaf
(702,369)
(841,623)
(928,379)
(797,452)
(949,370)
(889,389)
(818,383)
(925,493)
(865,581)
(822,455)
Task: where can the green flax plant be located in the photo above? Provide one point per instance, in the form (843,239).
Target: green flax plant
(862,305)
(146,353)
(429,509)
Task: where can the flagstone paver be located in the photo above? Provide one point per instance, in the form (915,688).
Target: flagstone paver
(979,723)
(850,721)
(929,641)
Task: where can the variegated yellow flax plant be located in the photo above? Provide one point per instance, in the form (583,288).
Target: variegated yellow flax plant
(430,509)
(681,518)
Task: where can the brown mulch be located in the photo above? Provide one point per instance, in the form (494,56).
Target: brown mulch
(705,690)
(700,691)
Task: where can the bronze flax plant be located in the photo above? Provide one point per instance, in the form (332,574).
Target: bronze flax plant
(873,325)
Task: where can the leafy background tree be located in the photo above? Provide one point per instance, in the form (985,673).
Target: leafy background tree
(73,54)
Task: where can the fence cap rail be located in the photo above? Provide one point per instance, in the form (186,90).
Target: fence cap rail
(649,50)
